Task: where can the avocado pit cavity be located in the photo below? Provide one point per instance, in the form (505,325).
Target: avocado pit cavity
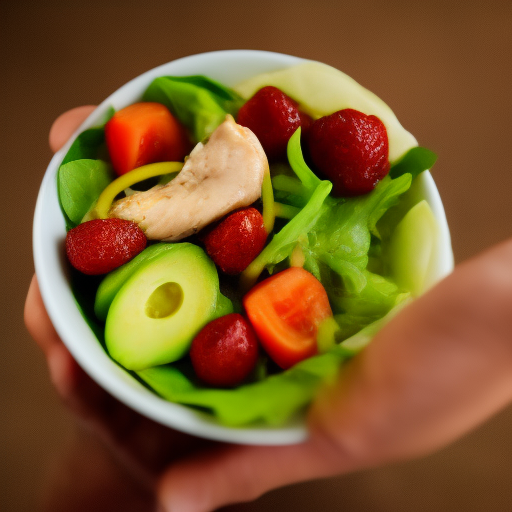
(164,301)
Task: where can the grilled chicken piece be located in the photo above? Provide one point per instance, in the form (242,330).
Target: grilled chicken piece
(222,175)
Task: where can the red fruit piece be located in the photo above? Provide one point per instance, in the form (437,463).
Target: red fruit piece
(101,245)
(225,351)
(236,240)
(273,117)
(350,149)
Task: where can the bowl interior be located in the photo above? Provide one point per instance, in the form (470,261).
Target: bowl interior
(228,67)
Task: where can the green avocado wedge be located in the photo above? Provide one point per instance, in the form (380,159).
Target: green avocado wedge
(162,305)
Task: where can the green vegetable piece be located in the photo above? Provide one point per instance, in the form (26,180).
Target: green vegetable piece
(86,145)
(414,162)
(378,296)
(290,190)
(80,183)
(113,281)
(273,400)
(200,103)
(337,253)
(343,233)
(296,159)
(89,143)
(284,242)
(411,248)
(157,312)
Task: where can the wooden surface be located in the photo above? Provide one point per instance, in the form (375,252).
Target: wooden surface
(445,69)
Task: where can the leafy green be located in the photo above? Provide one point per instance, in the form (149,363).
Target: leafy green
(273,400)
(85,146)
(200,103)
(80,182)
(414,162)
(296,159)
(281,246)
(378,296)
(289,189)
(89,145)
(338,246)
(84,289)
(336,236)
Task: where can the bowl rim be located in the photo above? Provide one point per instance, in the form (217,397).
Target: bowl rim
(48,234)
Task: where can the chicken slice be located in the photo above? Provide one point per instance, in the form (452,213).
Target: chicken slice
(222,175)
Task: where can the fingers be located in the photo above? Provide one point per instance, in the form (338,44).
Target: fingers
(438,369)
(143,445)
(66,124)
(233,474)
(37,321)
(64,371)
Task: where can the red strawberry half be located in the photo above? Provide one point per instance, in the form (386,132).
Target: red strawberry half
(225,351)
(101,245)
(236,240)
(273,117)
(350,149)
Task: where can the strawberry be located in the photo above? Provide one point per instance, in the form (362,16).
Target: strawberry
(225,351)
(350,149)
(273,117)
(101,245)
(236,240)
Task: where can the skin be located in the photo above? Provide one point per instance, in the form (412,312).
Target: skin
(441,367)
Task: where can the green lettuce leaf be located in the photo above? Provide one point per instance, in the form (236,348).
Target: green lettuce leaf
(200,103)
(273,401)
(414,162)
(283,243)
(337,253)
(80,183)
(88,145)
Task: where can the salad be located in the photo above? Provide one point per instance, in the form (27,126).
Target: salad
(232,247)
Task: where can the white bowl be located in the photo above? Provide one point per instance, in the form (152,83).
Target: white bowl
(229,67)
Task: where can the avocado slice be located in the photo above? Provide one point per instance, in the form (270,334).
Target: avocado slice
(162,305)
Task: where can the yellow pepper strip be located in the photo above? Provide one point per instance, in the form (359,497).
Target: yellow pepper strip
(267,197)
(250,275)
(127,180)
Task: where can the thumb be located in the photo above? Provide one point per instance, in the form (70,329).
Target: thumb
(65,125)
(232,474)
(439,368)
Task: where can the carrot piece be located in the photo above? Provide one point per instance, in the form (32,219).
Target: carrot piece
(285,311)
(144,133)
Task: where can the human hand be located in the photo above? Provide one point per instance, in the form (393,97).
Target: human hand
(439,368)
(143,446)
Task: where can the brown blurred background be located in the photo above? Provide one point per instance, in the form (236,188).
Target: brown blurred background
(445,69)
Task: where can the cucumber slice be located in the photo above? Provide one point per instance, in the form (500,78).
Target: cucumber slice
(411,249)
